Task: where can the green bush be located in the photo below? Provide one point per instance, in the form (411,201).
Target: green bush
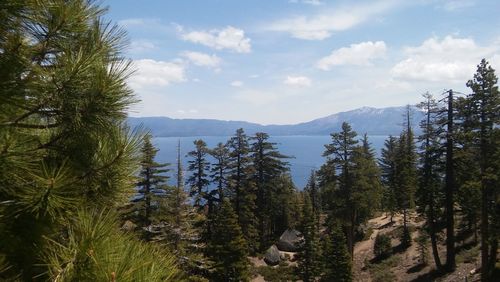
(277,274)
(381,271)
(382,247)
(406,238)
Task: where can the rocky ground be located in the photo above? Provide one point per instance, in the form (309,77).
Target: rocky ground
(402,265)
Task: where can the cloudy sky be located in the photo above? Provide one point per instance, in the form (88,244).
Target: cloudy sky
(289,61)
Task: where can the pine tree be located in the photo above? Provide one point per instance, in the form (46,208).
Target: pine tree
(309,258)
(179,196)
(450,184)
(183,226)
(367,188)
(336,258)
(406,176)
(242,187)
(387,164)
(220,169)
(227,247)
(382,247)
(198,167)
(467,167)
(327,181)
(175,211)
(152,182)
(67,159)
(485,106)
(429,194)
(340,154)
(267,167)
(287,204)
(422,241)
(314,194)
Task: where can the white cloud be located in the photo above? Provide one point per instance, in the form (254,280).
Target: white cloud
(495,63)
(309,2)
(153,74)
(299,81)
(322,25)
(257,97)
(139,22)
(360,54)
(449,59)
(190,111)
(453,5)
(237,83)
(202,59)
(230,38)
(141,46)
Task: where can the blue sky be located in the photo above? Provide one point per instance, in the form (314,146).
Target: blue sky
(289,61)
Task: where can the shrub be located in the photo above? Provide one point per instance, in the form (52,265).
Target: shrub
(422,248)
(382,247)
(406,238)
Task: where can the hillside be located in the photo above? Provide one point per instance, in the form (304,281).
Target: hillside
(373,121)
(400,265)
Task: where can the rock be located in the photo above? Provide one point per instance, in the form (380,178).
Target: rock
(272,256)
(129,226)
(290,241)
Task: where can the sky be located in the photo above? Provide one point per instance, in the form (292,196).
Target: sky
(290,61)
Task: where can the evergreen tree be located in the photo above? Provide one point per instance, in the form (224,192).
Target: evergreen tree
(181,220)
(198,167)
(422,241)
(152,182)
(327,182)
(309,258)
(382,247)
(220,169)
(336,258)
(179,195)
(485,106)
(467,167)
(286,203)
(227,247)
(340,154)
(267,167)
(242,187)
(450,184)
(429,195)
(313,190)
(387,164)
(367,188)
(406,176)
(67,159)
(358,189)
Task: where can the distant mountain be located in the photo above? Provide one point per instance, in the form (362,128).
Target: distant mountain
(373,121)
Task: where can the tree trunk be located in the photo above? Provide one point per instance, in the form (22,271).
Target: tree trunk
(484,201)
(493,256)
(484,233)
(449,189)
(435,251)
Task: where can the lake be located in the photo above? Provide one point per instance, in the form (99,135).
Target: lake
(306,151)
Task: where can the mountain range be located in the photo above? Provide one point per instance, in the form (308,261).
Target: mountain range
(373,121)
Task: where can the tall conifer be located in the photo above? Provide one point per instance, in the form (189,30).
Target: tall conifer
(152,182)
(485,106)
(338,266)
(429,194)
(227,246)
(198,167)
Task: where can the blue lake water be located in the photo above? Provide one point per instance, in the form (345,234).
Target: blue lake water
(306,151)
